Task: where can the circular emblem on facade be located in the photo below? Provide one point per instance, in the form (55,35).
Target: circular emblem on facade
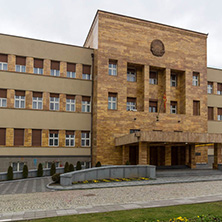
(157,48)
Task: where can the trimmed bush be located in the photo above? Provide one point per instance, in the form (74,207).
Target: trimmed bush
(25,171)
(71,168)
(66,168)
(98,164)
(10,173)
(53,169)
(40,170)
(78,166)
(127,162)
(56,177)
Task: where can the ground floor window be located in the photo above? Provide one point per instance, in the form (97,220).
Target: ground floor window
(49,164)
(17,166)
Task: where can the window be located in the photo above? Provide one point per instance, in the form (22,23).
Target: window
(131,75)
(18,137)
(2,136)
(3,62)
(131,104)
(219,114)
(219,88)
(20,64)
(36,137)
(37,100)
(153,106)
(196,108)
(153,77)
(70,103)
(70,138)
(86,104)
(112,67)
(85,138)
(196,78)
(19,99)
(71,70)
(49,164)
(55,68)
(210,113)
(53,138)
(54,101)
(210,87)
(38,66)
(173,80)
(3,97)
(112,101)
(134,130)
(173,107)
(86,72)
(17,166)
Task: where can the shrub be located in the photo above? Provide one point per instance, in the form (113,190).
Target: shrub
(10,173)
(127,162)
(53,169)
(56,177)
(71,168)
(66,168)
(25,171)
(40,170)
(98,164)
(78,166)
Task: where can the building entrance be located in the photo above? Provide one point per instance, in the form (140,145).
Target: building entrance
(178,155)
(157,155)
(133,155)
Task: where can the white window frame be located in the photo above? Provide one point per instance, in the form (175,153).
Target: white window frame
(131,106)
(20,100)
(38,101)
(173,80)
(112,69)
(18,167)
(38,71)
(20,68)
(3,100)
(219,117)
(173,109)
(209,89)
(195,80)
(54,138)
(86,76)
(131,76)
(84,139)
(54,72)
(69,139)
(71,74)
(86,106)
(49,164)
(54,101)
(69,104)
(3,66)
(112,102)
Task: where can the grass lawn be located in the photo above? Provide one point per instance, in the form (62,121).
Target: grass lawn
(142,215)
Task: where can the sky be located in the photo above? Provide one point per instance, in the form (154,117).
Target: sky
(68,21)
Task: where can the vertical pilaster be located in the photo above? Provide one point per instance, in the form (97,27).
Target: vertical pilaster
(11,63)
(29,64)
(167,90)
(193,157)
(125,154)
(146,87)
(10,98)
(142,153)
(45,137)
(28,99)
(187,155)
(77,138)
(63,69)
(45,101)
(9,137)
(78,103)
(62,102)
(167,155)
(28,137)
(148,154)
(62,138)
(79,71)
(217,155)
(47,67)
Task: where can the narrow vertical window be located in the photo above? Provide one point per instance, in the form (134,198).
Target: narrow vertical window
(131,75)
(196,108)
(153,77)
(112,67)
(71,70)
(131,104)
(219,88)
(38,66)
(19,99)
(209,87)
(219,114)
(210,113)
(54,101)
(18,137)
(86,72)
(86,104)
(153,106)
(173,80)
(53,138)
(85,138)
(3,97)
(55,68)
(112,101)
(70,138)
(37,100)
(36,137)
(196,78)
(20,64)
(3,62)
(173,107)
(70,103)
(2,136)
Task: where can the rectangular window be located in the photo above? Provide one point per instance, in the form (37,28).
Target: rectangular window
(219,88)
(210,113)
(86,104)
(53,137)
(17,166)
(112,101)
(153,78)
(3,62)
(219,114)
(196,108)
(134,130)
(131,104)
(54,101)
(86,72)
(70,138)
(20,64)
(112,67)
(153,106)
(85,138)
(19,99)
(196,78)
(173,80)
(38,66)
(173,107)
(71,70)
(36,137)
(55,68)
(37,100)
(131,75)
(3,97)
(209,87)
(70,103)
(2,136)
(18,137)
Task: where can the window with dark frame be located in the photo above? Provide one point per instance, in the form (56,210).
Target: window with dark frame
(38,66)
(219,114)
(2,136)
(153,80)
(173,107)
(71,70)
(131,104)
(153,104)
(86,72)
(131,75)
(219,88)
(18,137)
(36,137)
(55,68)
(20,64)
(53,138)
(3,97)
(173,80)
(196,108)
(210,113)
(3,62)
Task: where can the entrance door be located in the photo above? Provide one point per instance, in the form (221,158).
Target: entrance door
(133,155)
(178,155)
(157,155)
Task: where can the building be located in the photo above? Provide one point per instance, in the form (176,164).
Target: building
(141,90)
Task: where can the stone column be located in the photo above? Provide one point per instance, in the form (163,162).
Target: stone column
(146,87)
(45,137)
(9,137)
(62,138)
(28,99)
(148,154)
(28,137)
(47,67)
(62,102)
(11,63)
(168,155)
(217,155)
(125,154)
(167,90)
(29,64)
(193,157)
(79,71)
(142,153)
(63,69)
(78,103)
(187,155)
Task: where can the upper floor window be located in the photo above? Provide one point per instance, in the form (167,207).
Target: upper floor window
(36,137)
(153,77)
(210,87)
(54,101)
(112,67)
(53,137)
(19,99)
(112,101)
(70,103)
(173,80)
(86,72)
(18,137)
(3,62)
(38,66)
(70,138)
(85,138)
(2,136)
(210,113)
(153,106)
(37,100)
(196,78)
(219,88)
(55,68)
(3,97)
(86,104)
(219,114)
(20,64)
(196,108)
(131,75)
(71,70)
(131,104)
(173,107)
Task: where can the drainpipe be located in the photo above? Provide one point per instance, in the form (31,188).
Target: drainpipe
(92,55)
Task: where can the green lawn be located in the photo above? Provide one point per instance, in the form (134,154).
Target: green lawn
(142,215)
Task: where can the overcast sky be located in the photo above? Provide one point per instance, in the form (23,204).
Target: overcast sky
(68,21)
